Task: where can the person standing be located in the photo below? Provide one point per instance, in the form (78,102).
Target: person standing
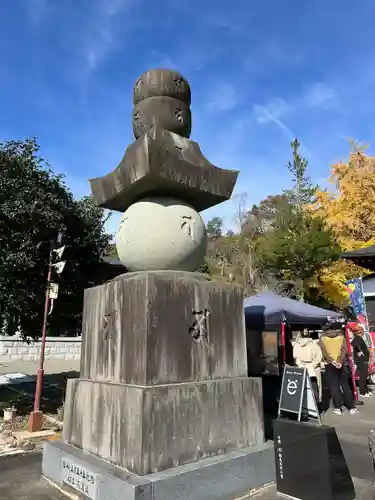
(333,345)
(361,355)
(308,354)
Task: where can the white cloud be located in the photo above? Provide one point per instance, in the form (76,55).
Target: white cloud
(269,114)
(252,186)
(320,95)
(224,98)
(272,111)
(101,36)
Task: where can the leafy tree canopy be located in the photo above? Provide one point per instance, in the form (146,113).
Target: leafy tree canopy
(296,254)
(35,205)
(264,216)
(215,227)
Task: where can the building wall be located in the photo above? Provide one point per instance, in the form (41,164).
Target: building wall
(13,349)
(368,284)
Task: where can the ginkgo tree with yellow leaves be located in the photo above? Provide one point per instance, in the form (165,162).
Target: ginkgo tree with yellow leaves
(348,209)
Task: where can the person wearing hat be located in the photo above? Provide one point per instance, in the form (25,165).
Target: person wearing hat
(334,349)
(361,355)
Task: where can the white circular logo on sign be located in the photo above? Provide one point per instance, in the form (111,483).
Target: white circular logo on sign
(291,387)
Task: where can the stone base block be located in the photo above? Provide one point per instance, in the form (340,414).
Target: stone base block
(310,463)
(163,327)
(148,429)
(220,478)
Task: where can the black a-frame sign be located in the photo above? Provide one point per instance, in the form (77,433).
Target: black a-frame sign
(297,396)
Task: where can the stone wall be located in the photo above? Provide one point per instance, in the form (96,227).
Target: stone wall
(13,349)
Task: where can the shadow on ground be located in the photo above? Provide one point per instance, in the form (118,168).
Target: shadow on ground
(20,478)
(21,395)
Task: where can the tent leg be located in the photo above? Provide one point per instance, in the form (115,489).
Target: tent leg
(283,343)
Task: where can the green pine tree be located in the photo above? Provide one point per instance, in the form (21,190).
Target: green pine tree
(302,191)
(299,245)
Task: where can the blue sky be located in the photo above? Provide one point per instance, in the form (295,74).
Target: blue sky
(261,72)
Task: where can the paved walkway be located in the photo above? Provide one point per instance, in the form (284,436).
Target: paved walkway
(353,433)
(364,491)
(20,478)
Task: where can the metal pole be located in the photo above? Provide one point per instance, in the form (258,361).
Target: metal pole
(40,372)
(36,419)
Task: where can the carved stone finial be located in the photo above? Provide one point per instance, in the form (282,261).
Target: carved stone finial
(162,97)
(163,181)
(161,83)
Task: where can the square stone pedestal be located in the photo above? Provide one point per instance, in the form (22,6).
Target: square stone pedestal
(163,408)
(163,327)
(224,477)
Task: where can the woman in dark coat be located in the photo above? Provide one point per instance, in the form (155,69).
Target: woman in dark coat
(361,355)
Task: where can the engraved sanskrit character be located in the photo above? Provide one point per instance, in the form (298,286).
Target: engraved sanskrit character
(199,328)
(179,115)
(187,225)
(178,83)
(108,324)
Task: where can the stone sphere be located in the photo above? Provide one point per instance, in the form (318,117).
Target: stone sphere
(161,234)
(161,83)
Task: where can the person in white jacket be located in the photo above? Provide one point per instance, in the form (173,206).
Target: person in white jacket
(307,354)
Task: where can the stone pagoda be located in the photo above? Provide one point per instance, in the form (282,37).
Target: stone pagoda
(163,408)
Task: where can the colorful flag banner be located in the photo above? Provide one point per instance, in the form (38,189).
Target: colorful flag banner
(357,300)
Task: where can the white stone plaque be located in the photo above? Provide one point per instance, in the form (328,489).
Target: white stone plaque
(80,478)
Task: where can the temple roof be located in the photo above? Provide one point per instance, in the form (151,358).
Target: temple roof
(363,257)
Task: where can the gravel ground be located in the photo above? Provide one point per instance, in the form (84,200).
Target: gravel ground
(21,421)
